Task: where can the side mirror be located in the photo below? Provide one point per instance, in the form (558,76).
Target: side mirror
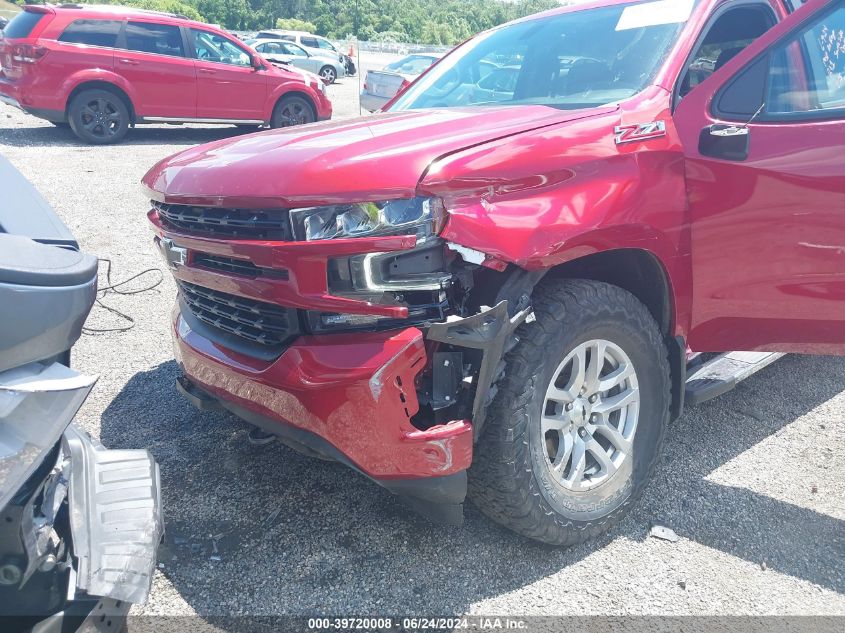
(727,142)
(256,62)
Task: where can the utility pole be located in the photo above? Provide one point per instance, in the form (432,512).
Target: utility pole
(357,18)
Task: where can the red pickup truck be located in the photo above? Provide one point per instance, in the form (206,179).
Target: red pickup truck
(507,290)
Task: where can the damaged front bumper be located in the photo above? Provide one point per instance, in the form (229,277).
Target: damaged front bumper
(79,524)
(354,398)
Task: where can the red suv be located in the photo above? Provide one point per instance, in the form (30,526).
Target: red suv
(104,69)
(504,291)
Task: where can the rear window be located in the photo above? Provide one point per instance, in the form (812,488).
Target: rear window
(22,24)
(92,32)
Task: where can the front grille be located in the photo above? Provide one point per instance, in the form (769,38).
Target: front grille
(240,267)
(242,224)
(254,322)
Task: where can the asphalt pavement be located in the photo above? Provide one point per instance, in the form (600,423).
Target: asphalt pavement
(752,483)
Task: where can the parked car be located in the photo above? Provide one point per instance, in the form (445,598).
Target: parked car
(79,524)
(104,69)
(281,51)
(381,86)
(312,43)
(508,299)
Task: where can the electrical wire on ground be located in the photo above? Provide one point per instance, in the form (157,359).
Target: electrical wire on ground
(115,288)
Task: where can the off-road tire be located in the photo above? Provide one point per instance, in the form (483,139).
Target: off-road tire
(507,480)
(115,107)
(292,110)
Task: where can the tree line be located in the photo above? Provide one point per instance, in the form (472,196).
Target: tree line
(421,21)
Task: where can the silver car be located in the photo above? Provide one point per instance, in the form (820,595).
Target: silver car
(280,51)
(381,86)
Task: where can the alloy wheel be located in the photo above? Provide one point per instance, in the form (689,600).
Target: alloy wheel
(294,113)
(590,414)
(328,74)
(101,118)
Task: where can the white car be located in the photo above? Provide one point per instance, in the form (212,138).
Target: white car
(381,86)
(280,51)
(312,43)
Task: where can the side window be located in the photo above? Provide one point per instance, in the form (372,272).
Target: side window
(807,71)
(310,42)
(325,44)
(726,38)
(92,32)
(216,48)
(287,38)
(148,37)
(290,49)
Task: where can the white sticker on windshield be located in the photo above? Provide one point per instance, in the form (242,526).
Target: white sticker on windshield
(654,13)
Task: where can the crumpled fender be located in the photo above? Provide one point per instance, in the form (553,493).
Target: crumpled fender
(552,195)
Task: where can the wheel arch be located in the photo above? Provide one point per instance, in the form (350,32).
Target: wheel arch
(295,93)
(635,270)
(638,271)
(99,84)
(643,274)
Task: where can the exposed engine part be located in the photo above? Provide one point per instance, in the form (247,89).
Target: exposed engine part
(10,575)
(447,374)
(40,539)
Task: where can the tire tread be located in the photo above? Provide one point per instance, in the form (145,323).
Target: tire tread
(501,482)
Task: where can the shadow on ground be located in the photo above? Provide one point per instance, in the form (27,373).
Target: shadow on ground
(303,536)
(51,136)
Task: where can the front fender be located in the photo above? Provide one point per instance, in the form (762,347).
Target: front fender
(553,195)
(287,86)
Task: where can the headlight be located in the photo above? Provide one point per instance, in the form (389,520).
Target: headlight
(422,217)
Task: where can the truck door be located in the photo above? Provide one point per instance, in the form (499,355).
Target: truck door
(763,140)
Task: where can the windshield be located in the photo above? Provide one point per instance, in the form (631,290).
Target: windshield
(572,60)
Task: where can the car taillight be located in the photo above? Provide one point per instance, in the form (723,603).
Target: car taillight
(28,53)
(366,87)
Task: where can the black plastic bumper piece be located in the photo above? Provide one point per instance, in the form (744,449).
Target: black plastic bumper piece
(488,331)
(439,499)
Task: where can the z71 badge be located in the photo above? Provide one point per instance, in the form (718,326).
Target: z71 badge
(639,132)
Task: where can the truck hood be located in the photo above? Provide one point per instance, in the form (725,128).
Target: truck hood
(377,157)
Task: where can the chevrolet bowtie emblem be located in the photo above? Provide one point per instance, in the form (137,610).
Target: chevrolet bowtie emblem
(173,255)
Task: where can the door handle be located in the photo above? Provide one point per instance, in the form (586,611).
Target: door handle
(130,62)
(207,71)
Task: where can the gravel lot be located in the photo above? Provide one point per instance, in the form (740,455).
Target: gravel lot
(752,482)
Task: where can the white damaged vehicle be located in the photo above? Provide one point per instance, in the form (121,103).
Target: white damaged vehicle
(80,525)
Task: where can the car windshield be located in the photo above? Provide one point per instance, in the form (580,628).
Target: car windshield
(570,60)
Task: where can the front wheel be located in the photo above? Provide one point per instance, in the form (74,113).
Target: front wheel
(292,110)
(98,117)
(328,74)
(578,423)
